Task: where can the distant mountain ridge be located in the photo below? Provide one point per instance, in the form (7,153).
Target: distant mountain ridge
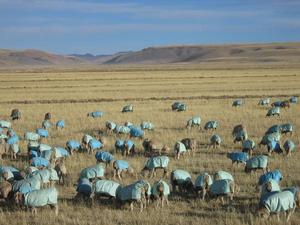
(186,54)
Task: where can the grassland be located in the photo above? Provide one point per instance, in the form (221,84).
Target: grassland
(69,95)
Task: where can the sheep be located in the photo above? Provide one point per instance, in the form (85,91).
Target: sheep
(110,126)
(27,185)
(127,108)
(202,184)
(5,189)
(239,133)
(274,146)
(160,192)
(31,136)
(3,150)
(14,150)
(146,125)
(274,175)
(179,148)
(48,177)
(193,122)
(257,162)
(136,132)
(237,103)
(48,116)
(238,157)
(104,157)
(46,124)
(93,172)
(248,146)
(293,99)
(178,106)
(85,141)
(119,145)
(107,188)
(60,124)
(38,198)
(5,124)
(61,170)
(295,191)
(264,101)
(222,188)
(268,187)
(289,146)
(154,163)
(273,111)
(222,175)
(129,148)
(39,162)
(190,144)
(215,141)
(273,129)
(42,132)
(121,166)
(84,189)
(269,138)
(72,145)
(93,145)
(15,114)
(154,147)
(285,104)
(287,128)
(183,180)
(122,130)
(95,114)
(137,192)
(10,173)
(211,125)
(274,203)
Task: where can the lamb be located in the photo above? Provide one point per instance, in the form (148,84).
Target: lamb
(179,148)
(154,147)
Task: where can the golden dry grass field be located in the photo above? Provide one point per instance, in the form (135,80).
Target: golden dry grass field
(209,93)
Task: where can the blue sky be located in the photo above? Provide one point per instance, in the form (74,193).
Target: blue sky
(104,27)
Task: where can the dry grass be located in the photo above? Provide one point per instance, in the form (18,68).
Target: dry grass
(113,89)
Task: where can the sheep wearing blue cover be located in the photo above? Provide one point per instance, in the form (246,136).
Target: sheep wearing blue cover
(154,163)
(85,141)
(106,188)
(5,124)
(46,124)
(273,111)
(60,124)
(264,101)
(178,106)
(193,122)
(72,145)
(211,125)
(215,141)
(42,132)
(293,99)
(179,149)
(274,175)
(129,148)
(121,166)
(104,157)
(289,147)
(238,157)
(15,114)
(48,177)
(119,145)
(93,172)
(181,179)
(237,103)
(134,193)
(222,188)
(136,132)
(122,129)
(160,192)
(110,126)
(239,133)
(281,201)
(127,108)
(93,145)
(38,198)
(274,146)
(95,114)
(270,137)
(84,188)
(202,184)
(257,162)
(146,125)
(286,128)
(248,146)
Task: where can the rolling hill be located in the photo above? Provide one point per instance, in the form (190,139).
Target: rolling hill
(185,54)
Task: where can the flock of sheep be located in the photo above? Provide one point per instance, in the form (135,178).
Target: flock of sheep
(35,187)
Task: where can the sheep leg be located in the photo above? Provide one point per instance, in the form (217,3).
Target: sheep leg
(131,206)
